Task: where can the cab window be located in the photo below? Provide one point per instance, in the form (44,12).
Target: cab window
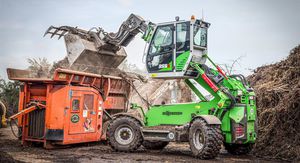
(75,105)
(183,36)
(162,40)
(160,53)
(200,36)
(88,102)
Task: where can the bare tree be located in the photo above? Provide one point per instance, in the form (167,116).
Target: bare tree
(230,68)
(41,67)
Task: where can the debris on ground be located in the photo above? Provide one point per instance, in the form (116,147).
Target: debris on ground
(277,87)
(4,157)
(12,151)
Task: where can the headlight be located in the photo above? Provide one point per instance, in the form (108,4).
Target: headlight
(239,92)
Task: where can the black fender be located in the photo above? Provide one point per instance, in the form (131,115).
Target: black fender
(129,115)
(209,119)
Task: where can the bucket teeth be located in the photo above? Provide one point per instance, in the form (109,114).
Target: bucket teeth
(59,31)
(55,32)
(62,34)
(48,30)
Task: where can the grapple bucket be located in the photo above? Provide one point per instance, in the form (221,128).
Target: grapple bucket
(86,51)
(83,53)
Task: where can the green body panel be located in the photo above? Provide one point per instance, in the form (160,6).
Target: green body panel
(181,60)
(180,114)
(226,128)
(237,114)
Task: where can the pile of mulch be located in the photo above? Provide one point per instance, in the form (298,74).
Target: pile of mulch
(277,87)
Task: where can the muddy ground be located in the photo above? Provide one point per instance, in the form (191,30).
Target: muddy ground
(11,150)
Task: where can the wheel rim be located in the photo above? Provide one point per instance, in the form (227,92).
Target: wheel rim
(124,135)
(198,139)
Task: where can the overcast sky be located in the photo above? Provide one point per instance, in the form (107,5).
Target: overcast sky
(262,32)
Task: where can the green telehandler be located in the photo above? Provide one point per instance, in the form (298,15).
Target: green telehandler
(225,114)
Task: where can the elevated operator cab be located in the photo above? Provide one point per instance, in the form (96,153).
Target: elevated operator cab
(174,45)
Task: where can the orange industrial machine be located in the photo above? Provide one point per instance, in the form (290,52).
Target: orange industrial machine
(72,107)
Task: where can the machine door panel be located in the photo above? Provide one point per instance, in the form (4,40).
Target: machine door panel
(83,112)
(182,44)
(161,50)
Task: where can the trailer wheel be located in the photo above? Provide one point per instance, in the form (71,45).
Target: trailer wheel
(155,145)
(238,149)
(205,139)
(124,134)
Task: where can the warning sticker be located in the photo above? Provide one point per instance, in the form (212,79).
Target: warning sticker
(84,113)
(74,118)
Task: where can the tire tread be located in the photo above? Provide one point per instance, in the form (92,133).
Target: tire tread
(110,133)
(213,139)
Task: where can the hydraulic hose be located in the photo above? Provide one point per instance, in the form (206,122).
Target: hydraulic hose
(241,77)
(232,101)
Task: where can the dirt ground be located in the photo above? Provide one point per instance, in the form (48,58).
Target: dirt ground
(11,150)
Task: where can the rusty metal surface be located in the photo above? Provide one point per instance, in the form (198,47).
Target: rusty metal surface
(86,73)
(83,53)
(24,75)
(96,50)
(115,90)
(86,50)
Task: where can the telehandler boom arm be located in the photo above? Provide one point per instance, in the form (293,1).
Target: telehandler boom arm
(127,31)
(98,48)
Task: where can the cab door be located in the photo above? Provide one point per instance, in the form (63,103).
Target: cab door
(182,45)
(161,50)
(83,117)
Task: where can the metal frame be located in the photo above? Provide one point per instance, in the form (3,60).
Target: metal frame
(174,73)
(55,95)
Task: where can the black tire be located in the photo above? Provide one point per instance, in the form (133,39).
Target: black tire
(238,149)
(205,140)
(14,124)
(124,134)
(155,145)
